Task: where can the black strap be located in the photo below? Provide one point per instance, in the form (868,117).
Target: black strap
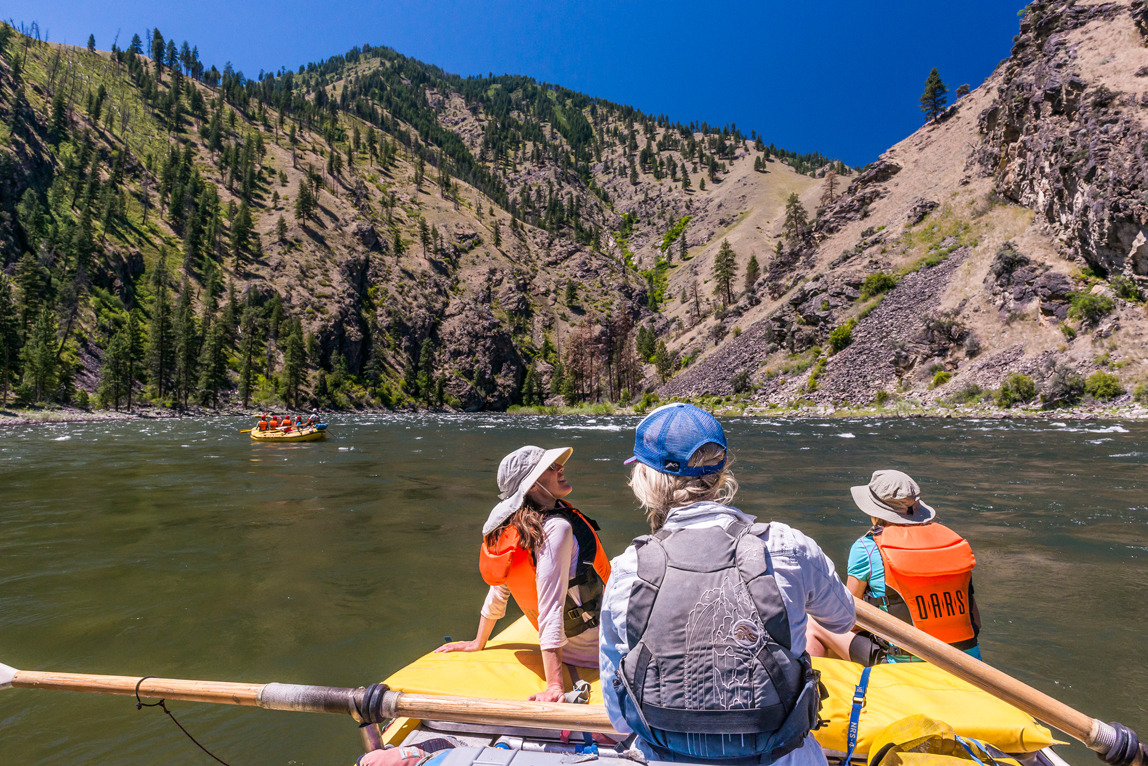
(768,718)
(583,529)
(644,657)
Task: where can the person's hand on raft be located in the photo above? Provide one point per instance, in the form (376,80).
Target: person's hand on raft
(473,645)
(549,694)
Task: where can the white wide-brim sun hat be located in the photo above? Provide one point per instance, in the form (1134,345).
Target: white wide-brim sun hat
(894,497)
(517,473)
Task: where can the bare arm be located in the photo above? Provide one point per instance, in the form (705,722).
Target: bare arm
(485,627)
(856,587)
(555,686)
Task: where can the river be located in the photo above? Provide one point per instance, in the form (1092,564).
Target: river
(179,548)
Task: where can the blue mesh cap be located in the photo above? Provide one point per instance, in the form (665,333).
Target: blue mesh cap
(670,435)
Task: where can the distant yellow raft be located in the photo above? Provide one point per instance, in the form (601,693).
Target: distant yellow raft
(294,435)
(511,668)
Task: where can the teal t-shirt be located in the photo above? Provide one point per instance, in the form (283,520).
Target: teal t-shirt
(866,565)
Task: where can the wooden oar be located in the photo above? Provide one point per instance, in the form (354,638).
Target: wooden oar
(374,704)
(1093,732)
(247,430)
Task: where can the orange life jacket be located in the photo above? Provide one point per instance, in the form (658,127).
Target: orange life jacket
(930,567)
(262,425)
(510,564)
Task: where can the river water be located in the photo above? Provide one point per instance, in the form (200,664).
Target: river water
(182,549)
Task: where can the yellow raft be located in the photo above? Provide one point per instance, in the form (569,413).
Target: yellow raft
(308,434)
(511,668)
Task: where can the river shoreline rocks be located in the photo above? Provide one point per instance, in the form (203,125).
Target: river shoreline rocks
(1122,410)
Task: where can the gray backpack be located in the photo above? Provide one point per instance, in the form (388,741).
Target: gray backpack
(711,673)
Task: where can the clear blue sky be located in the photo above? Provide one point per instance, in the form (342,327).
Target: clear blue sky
(840,77)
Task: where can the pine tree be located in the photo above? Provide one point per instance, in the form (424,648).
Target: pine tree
(683,248)
(114,380)
(304,202)
(935,96)
(725,269)
(58,130)
(241,229)
(497,233)
(135,352)
(646,343)
(213,363)
(40,364)
(250,328)
(281,229)
(9,338)
(752,273)
(161,341)
(571,297)
(795,219)
(157,54)
(828,195)
(664,361)
(293,363)
(426,370)
(91,43)
(187,343)
(685,178)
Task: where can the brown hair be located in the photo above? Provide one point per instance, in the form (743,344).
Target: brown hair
(659,492)
(528,521)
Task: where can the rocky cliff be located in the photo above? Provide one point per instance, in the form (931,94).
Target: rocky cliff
(1007,237)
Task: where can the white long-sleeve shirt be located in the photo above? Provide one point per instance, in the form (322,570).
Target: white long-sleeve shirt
(557,563)
(804,574)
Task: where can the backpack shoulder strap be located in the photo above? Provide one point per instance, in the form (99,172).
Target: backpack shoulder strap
(651,572)
(754,566)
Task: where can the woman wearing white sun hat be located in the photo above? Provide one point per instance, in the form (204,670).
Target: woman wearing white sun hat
(541,550)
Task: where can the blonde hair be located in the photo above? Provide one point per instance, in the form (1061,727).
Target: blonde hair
(659,492)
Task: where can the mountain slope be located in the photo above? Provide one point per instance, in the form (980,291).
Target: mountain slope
(1013,230)
(454,235)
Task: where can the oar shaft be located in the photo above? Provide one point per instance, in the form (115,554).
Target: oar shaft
(533,715)
(1036,703)
(219,692)
(330,699)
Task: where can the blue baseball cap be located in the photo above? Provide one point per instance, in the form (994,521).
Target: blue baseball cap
(669,436)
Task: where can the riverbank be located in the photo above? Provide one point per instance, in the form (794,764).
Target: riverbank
(722,407)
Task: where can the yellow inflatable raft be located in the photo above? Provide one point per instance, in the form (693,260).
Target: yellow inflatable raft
(294,435)
(511,668)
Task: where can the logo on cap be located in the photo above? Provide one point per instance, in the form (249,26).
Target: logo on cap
(673,465)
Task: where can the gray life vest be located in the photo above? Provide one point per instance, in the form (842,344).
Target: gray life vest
(711,673)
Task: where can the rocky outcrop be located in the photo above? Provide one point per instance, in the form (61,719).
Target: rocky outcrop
(1070,147)
(894,339)
(1014,281)
(853,204)
(478,354)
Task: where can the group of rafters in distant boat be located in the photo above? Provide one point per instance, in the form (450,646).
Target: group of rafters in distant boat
(273,428)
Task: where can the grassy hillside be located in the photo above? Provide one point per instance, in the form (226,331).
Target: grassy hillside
(367,230)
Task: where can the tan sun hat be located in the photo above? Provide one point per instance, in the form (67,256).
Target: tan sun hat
(894,497)
(517,473)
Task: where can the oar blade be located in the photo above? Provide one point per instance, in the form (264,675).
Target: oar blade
(6,676)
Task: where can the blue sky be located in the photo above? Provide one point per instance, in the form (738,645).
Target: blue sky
(839,77)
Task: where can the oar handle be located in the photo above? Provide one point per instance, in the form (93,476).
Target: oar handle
(372,704)
(1094,733)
